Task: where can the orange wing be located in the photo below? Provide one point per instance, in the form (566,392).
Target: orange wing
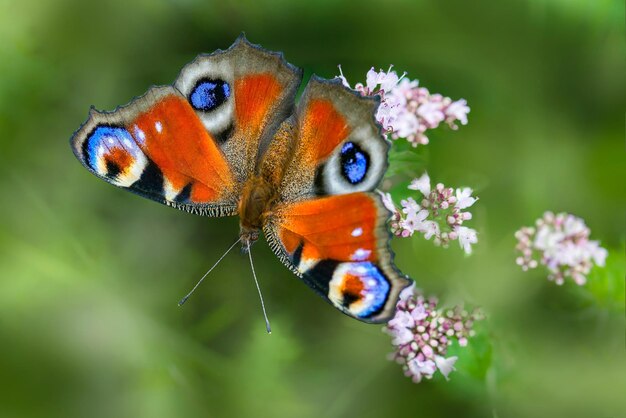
(338,246)
(157,147)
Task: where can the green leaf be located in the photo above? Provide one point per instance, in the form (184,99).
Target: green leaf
(476,358)
(406,160)
(401,191)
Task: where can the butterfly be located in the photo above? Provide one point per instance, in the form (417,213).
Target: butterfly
(227,138)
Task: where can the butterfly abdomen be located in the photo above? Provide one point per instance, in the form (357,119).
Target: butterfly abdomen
(257,200)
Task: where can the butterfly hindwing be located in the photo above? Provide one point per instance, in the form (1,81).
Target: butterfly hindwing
(241,95)
(158,148)
(338,246)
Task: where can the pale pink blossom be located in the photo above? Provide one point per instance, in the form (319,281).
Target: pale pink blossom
(402,320)
(388,201)
(403,91)
(431,113)
(414,221)
(404,124)
(560,243)
(422,184)
(410,206)
(457,110)
(464,198)
(445,365)
(467,237)
(388,80)
(430,229)
(372,79)
(440,214)
(421,334)
(402,336)
(407,110)
(421,368)
(343,79)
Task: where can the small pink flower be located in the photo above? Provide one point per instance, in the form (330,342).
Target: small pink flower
(414,221)
(407,292)
(402,320)
(387,115)
(439,215)
(457,111)
(430,229)
(410,206)
(464,198)
(431,113)
(421,334)
(419,313)
(407,110)
(403,91)
(372,79)
(402,336)
(560,243)
(467,237)
(387,80)
(388,202)
(422,184)
(598,253)
(445,365)
(405,124)
(423,368)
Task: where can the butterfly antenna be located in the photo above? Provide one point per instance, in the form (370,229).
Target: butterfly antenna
(267,322)
(183,300)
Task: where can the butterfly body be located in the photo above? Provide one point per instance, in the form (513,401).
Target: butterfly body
(227,138)
(258,200)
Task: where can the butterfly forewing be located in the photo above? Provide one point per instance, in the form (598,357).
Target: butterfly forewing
(157,147)
(241,95)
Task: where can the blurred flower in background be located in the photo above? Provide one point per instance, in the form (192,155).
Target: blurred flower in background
(561,243)
(421,334)
(407,110)
(438,215)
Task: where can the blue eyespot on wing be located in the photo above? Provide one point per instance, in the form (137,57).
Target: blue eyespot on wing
(354,163)
(338,143)
(209,94)
(359,287)
(111,152)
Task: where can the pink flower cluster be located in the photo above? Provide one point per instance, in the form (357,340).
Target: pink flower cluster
(439,214)
(407,110)
(561,243)
(422,333)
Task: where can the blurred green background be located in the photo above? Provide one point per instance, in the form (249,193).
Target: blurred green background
(90,275)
